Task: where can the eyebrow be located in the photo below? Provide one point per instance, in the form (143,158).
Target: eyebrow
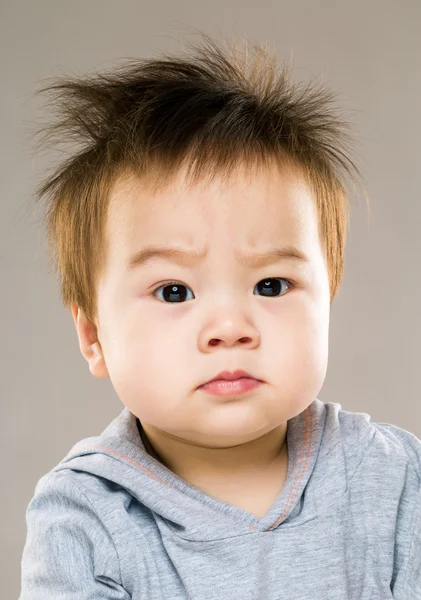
(186,257)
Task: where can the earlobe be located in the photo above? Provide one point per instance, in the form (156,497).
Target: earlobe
(96,362)
(89,344)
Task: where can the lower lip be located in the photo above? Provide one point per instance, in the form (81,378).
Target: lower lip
(222,387)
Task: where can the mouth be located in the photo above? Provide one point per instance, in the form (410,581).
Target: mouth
(232,376)
(228,384)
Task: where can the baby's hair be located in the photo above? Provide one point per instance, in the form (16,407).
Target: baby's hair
(213,109)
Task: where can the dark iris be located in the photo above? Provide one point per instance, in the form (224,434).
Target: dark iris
(269,286)
(170,292)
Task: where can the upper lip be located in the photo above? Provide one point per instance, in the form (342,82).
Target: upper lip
(231,375)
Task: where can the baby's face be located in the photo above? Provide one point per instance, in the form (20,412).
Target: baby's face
(162,340)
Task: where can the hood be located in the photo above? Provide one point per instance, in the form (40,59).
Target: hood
(316,473)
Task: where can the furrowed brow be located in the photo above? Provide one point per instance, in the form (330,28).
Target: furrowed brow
(185,257)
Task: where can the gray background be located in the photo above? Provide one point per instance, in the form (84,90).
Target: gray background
(369,51)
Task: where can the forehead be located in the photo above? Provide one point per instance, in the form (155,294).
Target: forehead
(250,208)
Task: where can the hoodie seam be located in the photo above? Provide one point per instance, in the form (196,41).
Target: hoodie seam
(301,469)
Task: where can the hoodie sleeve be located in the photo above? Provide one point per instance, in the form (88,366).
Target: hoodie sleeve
(68,553)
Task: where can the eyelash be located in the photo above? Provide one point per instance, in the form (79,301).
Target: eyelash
(291,285)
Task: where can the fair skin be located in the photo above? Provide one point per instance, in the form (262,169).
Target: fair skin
(158,351)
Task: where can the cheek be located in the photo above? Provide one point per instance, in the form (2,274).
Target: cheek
(298,353)
(146,362)
(138,351)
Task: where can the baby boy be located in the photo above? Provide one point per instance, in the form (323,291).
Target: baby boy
(199,234)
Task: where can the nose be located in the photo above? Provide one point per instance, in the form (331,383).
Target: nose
(229,334)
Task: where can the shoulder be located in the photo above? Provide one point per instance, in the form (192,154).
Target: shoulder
(77,491)
(66,504)
(362,439)
(406,443)
(63,493)
(59,484)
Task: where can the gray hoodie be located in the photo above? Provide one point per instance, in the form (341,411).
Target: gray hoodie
(111,522)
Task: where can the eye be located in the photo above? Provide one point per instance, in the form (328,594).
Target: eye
(272,286)
(174,290)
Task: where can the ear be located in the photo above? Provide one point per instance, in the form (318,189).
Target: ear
(89,344)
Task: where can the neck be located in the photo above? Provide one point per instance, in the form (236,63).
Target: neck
(188,460)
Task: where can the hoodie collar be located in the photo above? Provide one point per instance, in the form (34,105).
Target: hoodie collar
(316,474)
